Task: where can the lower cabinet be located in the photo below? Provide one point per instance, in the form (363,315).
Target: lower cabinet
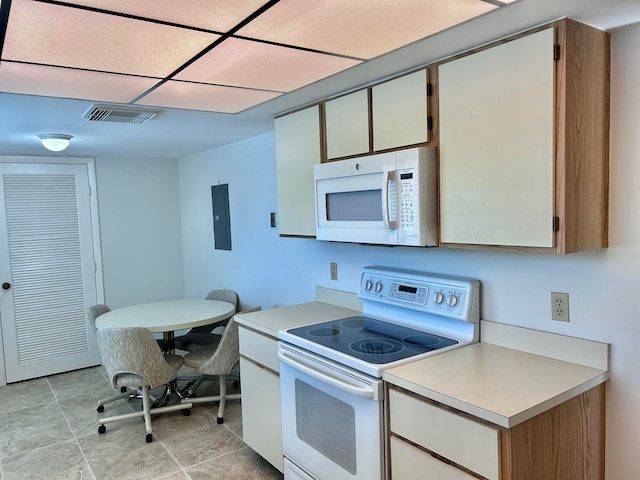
(428,440)
(261,418)
(464,442)
(412,463)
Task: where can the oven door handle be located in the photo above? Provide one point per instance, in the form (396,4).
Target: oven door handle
(324,378)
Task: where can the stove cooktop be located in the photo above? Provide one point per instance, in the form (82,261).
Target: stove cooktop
(372,340)
(406,315)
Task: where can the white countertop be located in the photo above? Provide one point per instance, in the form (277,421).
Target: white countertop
(501,385)
(491,381)
(272,320)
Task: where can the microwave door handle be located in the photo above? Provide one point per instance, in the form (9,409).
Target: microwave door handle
(387,175)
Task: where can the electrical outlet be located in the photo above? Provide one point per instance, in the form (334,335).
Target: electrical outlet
(334,270)
(560,306)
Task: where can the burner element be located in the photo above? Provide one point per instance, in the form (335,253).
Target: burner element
(376,347)
(325,332)
(423,340)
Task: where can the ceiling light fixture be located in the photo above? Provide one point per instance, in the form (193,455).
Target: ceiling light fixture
(56,142)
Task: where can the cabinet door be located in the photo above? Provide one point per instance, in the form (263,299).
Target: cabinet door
(347,124)
(400,111)
(261,417)
(297,151)
(497,145)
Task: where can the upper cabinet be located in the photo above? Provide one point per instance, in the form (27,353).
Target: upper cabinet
(297,151)
(347,125)
(400,111)
(524,128)
(389,115)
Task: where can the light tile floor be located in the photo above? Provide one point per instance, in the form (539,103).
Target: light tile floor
(49,430)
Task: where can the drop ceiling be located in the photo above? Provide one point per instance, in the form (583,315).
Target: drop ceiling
(212,55)
(218,70)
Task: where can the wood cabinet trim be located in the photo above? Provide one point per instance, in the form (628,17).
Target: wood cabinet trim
(567,441)
(582,136)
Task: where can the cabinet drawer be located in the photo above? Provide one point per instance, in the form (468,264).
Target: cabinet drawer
(411,463)
(470,444)
(260,348)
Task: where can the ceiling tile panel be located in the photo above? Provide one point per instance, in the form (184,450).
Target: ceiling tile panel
(250,64)
(363,29)
(53,34)
(217,15)
(67,83)
(196,96)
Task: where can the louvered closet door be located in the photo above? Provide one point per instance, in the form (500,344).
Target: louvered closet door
(46,241)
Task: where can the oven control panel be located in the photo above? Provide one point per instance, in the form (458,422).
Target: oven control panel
(408,293)
(428,293)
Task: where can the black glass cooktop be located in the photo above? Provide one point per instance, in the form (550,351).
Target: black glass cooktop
(372,340)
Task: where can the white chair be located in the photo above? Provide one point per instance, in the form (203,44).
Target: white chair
(133,359)
(217,361)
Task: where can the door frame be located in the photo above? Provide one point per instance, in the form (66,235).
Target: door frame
(95,223)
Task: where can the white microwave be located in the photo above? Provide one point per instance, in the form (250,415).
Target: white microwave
(387,198)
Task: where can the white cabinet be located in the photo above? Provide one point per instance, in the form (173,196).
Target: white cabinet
(347,125)
(297,151)
(524,142)
(411,463)
(261,418)
(496,137)
(389,115)
(470,444)
(400,111)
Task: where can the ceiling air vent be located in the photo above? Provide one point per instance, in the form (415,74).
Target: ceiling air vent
(119,114)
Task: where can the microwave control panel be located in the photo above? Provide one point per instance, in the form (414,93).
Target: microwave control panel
(417,197)
(409,198)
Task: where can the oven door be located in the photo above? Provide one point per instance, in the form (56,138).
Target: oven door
(332,424)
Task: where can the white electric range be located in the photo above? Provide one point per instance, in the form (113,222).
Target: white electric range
(331,372)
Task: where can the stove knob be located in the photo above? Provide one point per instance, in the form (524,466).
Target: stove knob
(367,285)
(378,287)
(438,298)
(452,300)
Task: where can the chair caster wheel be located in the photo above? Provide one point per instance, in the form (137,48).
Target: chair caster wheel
(100,409)
(123,389)
(149,438)
(102,429)
(220,420)
(186,412)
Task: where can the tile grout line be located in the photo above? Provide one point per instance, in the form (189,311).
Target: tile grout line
(75,437)
(206,412)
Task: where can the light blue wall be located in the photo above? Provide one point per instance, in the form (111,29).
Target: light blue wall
(604,285)
(138,204)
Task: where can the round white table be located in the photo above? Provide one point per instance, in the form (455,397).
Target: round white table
(167,316)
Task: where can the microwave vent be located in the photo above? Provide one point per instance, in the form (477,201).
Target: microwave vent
(118,114)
